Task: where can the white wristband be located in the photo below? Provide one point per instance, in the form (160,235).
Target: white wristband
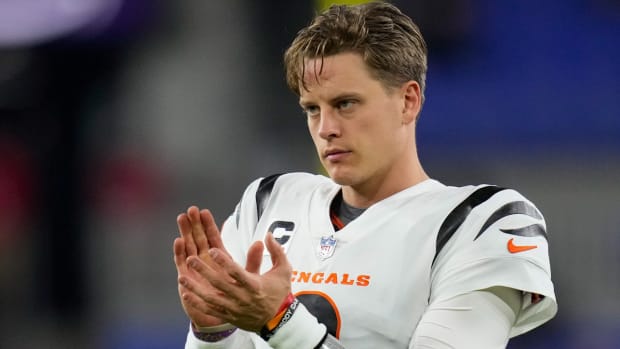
(301,331)
(331,343)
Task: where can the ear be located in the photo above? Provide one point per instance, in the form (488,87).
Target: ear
(412,98)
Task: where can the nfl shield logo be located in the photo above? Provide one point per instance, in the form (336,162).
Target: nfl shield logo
(327,247)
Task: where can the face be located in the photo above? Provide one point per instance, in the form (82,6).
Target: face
(363,131)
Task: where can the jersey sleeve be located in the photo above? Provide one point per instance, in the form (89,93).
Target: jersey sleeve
(501,242)
(478,319)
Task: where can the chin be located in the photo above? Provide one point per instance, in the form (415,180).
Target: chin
(343,179)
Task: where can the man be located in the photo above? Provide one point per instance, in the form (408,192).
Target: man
(378,255)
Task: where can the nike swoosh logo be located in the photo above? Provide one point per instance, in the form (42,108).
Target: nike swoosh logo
(512,248)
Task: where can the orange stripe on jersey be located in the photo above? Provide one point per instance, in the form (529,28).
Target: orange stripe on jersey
(335,220)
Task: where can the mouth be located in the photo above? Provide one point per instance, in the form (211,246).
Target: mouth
(335,155)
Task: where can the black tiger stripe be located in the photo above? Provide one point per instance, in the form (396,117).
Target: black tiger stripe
(264,192)
(515,207)
(322,309)
(529,231)
(458,215)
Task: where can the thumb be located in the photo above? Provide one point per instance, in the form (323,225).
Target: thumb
(278,257)
(255,257)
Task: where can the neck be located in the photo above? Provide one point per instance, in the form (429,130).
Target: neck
(379,187)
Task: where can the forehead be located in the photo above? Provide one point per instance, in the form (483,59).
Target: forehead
(344,71)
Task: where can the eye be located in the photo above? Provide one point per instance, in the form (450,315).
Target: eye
(311,110)
(346,104)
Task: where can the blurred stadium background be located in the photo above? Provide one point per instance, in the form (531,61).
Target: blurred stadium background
(115,115)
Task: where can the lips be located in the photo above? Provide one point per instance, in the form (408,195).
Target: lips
(335,154)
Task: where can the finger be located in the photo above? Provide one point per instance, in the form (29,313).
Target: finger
(198,231)
(255,257)
(231,268)
(212,232)
(278,257)
(179,254)
(185,228)
(211,302)
(228,278)
(199,280)
(203,269)
(193,301)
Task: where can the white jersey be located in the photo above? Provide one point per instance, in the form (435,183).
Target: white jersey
(371,281)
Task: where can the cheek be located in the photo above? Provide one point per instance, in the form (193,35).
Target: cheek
(314,134)
(311,128)
(381,138)
(393,109)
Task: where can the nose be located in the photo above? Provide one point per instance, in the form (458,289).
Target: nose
(329,125)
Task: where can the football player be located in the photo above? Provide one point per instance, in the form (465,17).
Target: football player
(378,254)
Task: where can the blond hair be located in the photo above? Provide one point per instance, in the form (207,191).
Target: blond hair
(388,41)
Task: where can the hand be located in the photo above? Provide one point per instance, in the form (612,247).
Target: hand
(244,298)
(193,227)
